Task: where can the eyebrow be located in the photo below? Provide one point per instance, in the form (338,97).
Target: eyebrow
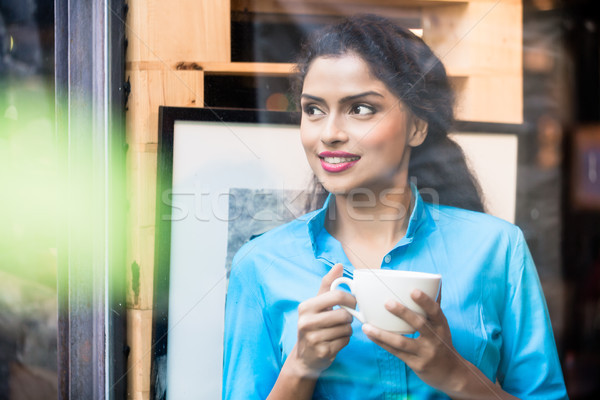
(343,99)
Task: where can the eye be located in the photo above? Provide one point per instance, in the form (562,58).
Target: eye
(362,109)
(312,109)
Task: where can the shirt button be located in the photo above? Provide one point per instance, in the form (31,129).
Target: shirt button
(387,259)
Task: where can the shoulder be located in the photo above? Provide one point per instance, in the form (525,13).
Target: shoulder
(276,239)
(448,216)
(473,228)
(283,241)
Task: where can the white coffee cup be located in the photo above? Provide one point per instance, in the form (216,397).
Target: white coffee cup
(375,287)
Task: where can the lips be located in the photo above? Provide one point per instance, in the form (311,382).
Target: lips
(337,161)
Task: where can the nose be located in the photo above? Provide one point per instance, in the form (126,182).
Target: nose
(333,131)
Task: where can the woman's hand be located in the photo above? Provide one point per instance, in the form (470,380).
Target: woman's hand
(431,356)
(323,331)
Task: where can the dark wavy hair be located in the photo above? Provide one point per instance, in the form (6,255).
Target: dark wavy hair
(410,70)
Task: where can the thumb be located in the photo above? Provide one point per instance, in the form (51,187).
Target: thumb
(336,271)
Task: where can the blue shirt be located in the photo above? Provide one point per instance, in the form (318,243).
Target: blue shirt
(491,296)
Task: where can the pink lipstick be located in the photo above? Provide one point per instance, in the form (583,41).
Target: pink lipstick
(337,161)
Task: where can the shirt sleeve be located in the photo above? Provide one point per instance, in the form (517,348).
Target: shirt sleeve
(529,366)
(251,360)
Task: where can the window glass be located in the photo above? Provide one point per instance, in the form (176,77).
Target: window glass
(28,178)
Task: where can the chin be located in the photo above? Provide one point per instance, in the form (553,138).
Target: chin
(339,189)
(373,187)
(332,188)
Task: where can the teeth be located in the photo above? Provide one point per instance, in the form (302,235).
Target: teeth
(338,160)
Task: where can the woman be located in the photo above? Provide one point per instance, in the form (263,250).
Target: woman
(376,109)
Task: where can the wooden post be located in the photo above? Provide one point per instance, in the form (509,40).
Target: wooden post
(162,36)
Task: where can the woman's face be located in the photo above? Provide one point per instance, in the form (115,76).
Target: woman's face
(355,132)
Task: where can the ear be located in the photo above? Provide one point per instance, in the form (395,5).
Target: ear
(418,131)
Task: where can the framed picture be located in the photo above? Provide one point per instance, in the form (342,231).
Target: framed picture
(225,175)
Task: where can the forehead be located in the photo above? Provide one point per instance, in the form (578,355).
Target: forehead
(345,73)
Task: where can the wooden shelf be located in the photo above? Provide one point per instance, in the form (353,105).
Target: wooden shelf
(237,68)
(337,7)
(249,68)
(215,68)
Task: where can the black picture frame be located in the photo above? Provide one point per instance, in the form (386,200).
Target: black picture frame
(162,250)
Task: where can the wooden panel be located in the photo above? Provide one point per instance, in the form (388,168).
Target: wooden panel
(249,68)
(241,68)
(235,68)
(389,8)
(142,186)
(140,271)
(151,89)
(481,40)
(478,38)
(444,31)
(298,9)
(162,36)
(497,39)
(140,223)
(139,324)
(178,31)
(491,99)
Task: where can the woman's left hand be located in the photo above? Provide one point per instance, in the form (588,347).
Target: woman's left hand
(431,356)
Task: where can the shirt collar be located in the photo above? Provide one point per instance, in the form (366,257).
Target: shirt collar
(420,221)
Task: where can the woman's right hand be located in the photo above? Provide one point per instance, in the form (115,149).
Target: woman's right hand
(323,331)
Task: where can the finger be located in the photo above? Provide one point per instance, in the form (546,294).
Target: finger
(326,301)
(417,321)
(329,334)
(439,299)
(336,345)
(325,319)
(336,271)
(431,307)
(392,342)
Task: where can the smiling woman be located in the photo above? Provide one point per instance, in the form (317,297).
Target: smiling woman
(376,111)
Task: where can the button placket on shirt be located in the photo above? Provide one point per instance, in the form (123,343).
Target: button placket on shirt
(401,370)
(393,369)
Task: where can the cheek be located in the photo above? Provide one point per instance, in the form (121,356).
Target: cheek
(307,138)
(385,136)
(304,141)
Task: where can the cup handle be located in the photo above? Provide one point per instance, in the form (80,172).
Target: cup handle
(337,282)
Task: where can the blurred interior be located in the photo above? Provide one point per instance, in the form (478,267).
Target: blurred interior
(551,86)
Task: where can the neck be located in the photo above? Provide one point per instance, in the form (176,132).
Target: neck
(379,218)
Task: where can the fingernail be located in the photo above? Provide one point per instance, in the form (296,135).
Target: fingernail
(416,293)
(390,304)
(367,328)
